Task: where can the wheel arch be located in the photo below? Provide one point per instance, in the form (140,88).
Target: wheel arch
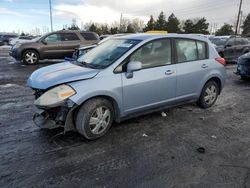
(217,80)
(25,50)
(111,100)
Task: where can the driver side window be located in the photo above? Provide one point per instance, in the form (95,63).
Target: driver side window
(53,38)
(153,54)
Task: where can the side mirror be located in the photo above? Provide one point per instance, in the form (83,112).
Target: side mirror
(44,42)
(132,67)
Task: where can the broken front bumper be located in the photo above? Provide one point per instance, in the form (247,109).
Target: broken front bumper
(55,117)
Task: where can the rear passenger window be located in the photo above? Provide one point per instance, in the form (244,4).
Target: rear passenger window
(186,50)
(153,54)
(245,41)
(69,37)
(238,41)
(201,46)
(89,36)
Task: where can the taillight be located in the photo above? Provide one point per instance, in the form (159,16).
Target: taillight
(221,60)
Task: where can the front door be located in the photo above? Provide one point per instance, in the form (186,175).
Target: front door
(51,47)
(155,84)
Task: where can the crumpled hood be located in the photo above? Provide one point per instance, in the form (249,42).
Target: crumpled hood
(60,73)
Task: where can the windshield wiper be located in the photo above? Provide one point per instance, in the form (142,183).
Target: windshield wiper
(89,65)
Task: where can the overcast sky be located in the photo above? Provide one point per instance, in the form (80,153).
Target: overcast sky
(25,15)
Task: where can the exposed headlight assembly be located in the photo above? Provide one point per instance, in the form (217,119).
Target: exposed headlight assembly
(55,95)
(17,45)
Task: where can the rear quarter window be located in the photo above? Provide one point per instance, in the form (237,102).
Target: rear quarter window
(69,37)
(202,50)
(89,36)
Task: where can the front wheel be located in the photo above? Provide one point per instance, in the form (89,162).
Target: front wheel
(95,118)
(208,95)
(30,57)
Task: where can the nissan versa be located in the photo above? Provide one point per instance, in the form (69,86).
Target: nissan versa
(124,77)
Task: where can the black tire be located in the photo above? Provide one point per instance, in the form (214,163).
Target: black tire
(202,102)
(87,111)
(33,54)
(243,77)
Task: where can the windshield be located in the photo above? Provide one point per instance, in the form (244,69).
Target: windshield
(219,41)
(107,53)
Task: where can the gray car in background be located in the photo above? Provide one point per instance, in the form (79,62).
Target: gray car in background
(55,45)
(125,77)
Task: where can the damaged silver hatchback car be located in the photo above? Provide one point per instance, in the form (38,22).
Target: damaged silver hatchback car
(125,77)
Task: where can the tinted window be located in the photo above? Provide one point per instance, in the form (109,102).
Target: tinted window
(25,38)
(69,36)
(186,50)
(230,41)
(245,41)
(53,38)
(89,36)
(201,46)
(238,41)
(153,54)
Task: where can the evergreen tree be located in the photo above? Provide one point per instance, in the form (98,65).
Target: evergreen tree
(150,25)
(199,26)
(172,24)
(114,30)
(160,23)
(130,29)
(93,28)
(188,26)
(246,26)
(226,29)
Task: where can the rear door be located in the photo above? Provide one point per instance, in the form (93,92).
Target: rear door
(192,64)
(70,41)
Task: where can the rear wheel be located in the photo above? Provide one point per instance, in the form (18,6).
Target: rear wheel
(30,57)
(208,95)
(243,77)
(95,118)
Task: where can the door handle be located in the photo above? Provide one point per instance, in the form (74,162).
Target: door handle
(204,66)
(169,72)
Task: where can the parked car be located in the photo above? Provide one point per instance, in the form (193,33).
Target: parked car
(243,66)
(232,47)
(84,49)
(55,45)
(124,77)
(4,38)
(20,39)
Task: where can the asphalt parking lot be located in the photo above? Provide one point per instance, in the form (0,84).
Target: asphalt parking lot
(149,151)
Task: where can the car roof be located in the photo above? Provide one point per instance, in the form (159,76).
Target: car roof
(144,36)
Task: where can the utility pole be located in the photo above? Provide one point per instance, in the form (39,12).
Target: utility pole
(241,14)
(51,25)
(236,30)
(120,22)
